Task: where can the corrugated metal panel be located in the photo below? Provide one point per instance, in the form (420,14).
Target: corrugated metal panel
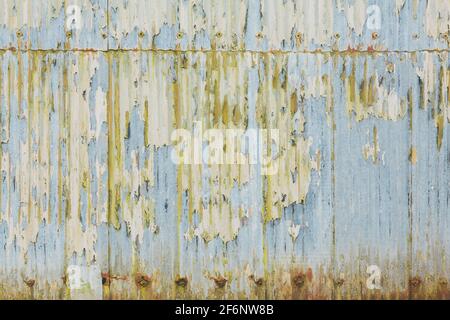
(256,25)
(31,24)
(363,157)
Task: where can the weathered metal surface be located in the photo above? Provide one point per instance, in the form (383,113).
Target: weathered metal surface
(363,159)
(31,24)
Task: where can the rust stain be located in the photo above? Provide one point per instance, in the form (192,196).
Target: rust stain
(355,176)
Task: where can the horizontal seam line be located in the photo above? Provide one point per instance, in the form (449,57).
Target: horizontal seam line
(13,49)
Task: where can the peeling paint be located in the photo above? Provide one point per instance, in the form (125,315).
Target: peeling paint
(361,161)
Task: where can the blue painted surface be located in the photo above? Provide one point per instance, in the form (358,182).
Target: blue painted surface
(60,134)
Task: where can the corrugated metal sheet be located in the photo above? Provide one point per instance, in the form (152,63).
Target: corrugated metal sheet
(363,158)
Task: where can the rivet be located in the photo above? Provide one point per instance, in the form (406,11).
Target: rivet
(141,34)
(105,278)
(415,281)
(259,35)
(69,34)
(142,280)
(30,282)
(258,281)
(180,35)
(299,279)
(219,34)
(374,35)
(19,34)
(339,282)
(181,281)
(220,281)
(390,67)
(299,36)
